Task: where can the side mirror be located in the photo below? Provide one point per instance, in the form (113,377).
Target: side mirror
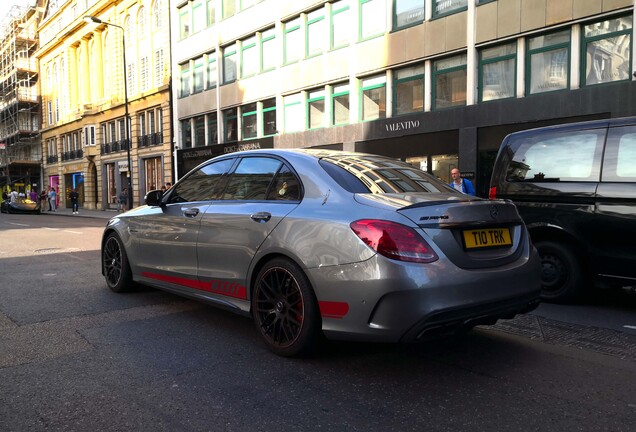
(153,198)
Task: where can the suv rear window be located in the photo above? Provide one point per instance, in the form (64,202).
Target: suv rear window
(558,156)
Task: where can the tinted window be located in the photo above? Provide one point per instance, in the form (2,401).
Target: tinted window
(286,186)
(620,156)
(557,156)
(201,185)
(251,179)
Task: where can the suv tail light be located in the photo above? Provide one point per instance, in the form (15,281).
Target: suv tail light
(492,193)
(394,240)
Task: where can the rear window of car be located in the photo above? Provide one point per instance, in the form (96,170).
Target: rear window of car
(376,174)
(557,156)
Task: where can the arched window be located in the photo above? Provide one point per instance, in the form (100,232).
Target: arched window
(141,22)
(156,14)
(128,28)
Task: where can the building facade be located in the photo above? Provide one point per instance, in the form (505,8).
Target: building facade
(437,83)
(101,62)
(20,148)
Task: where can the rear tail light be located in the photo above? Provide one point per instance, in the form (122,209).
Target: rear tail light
(394,240)
(492,193)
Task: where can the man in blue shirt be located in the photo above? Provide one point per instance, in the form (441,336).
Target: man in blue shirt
(461,184)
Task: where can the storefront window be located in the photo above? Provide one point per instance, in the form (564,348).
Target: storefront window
(152,171)
(607,51)
(269,117)
(293,113)
(497,70)
(409,90)
(212,129)
(549,62)
(186,134)
(373,97)
(449,78)
(316,109)
(408,13)
(340,104)
(249,121)
(199,131)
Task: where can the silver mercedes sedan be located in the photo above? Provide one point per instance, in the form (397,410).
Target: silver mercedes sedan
(313,243)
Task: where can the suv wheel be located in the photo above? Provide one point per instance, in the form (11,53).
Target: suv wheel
(561,276)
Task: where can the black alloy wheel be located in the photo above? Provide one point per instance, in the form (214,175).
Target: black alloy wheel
(285,309)
(115,264)
(561,272)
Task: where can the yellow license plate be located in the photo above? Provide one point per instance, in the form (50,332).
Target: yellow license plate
(487,237)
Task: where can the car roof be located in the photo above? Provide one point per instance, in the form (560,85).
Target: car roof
(591,124)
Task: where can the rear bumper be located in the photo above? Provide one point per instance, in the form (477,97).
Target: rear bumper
(419,302)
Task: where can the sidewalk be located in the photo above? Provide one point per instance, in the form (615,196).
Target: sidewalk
(100,214)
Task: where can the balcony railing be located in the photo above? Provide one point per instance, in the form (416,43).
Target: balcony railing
(51,159)
(150,139)
(115,146)
(72,155)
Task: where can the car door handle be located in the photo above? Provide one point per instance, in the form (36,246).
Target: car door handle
(261,217)
(192,212)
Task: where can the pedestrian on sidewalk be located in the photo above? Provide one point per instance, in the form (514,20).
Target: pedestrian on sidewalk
(44,198)
(123,199)
(74,201)
(52,199)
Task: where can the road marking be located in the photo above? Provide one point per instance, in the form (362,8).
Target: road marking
(630,327)
(73,232)
(18,224)
(51,229)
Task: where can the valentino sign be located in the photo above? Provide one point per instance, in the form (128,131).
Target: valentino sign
(403,125)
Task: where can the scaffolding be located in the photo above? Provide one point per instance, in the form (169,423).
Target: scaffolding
(20,145)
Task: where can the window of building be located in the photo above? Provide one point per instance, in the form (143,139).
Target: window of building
(249,121)
(141,22)
(211,12)
(199,17)
(199,131)
(184,22)
(316,109)
(230,122)
(408,90)
(142,124)
(198,75)
(229,64)
(229,8)
(497,72)
(269,117)
(446,7)
(340,24)
(144,74)
(213,137)
(89,135)
(128,30)
(159,67)
(373,98)
(449,82)
(292,41)
(316,33)
(607,51)
(131,77)
(186,133)
(372,18)
(269,53)
(152,173)
(407,13)
(212,71)
(548,60)
(112,132)
(340,104)
(249,57)
(293,112)
(184,78)
(156,14)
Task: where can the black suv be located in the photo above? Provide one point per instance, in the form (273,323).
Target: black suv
(575,187)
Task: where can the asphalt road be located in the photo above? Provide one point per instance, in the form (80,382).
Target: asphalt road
(76,357)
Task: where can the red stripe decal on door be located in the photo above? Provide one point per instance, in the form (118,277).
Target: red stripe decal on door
(223,288)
